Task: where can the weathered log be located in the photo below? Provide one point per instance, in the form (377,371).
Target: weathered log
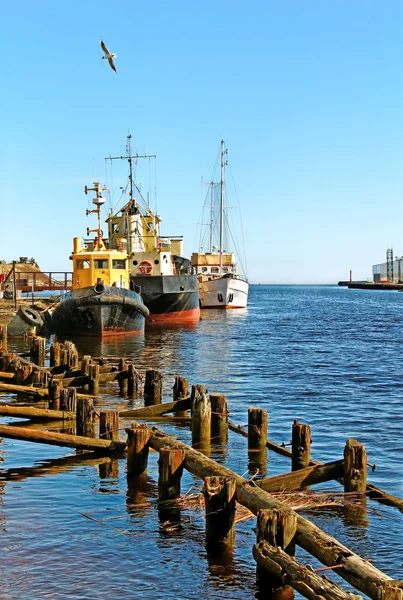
(303,478)
(7,375)
(60,439)
(302,579)
(35,413)
(23,389)
(29,390)
(360,573)
(157,410)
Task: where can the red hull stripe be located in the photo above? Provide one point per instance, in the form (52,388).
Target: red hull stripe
(180,315)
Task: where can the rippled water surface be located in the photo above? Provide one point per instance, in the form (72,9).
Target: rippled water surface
(328,356)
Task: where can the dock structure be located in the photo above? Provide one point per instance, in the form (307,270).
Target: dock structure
(279,528)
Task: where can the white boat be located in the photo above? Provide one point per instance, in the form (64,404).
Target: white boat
(220,283)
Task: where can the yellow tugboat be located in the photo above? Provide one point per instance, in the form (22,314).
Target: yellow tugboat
(101,302)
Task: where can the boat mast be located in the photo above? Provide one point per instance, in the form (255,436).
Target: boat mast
(222,182)
(129,157)
(211,215)
(99,201)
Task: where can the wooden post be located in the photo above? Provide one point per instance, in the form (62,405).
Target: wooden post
(38,350)
(22,375)
(137,449)
(85,364)
(68,399)
(201,417)
(132,381)
(277,527)
(257,428)
(153,387)
(122,380)
(55,386)
(93,374)
(85,421)
(301,446)
(6,360)
(54,359)
(257,437)
(170,469)
(219,418)
(109,425)
(71,355)
(40,378)
(180,392)
(3,335)
(355,467)
(219,502)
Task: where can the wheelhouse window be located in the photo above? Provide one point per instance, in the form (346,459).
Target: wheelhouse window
(83,264)
(100,263)
(214,269)
(118,264)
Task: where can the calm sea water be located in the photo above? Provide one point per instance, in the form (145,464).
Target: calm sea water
(328,356)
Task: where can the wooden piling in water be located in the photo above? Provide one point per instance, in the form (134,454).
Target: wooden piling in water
(138,437)
(54,387)
(278,528)
(123,380)
(219,502)
(38,350)
(68,399)
(300,446)
(219,418)
(170,469)
(3,335)
(85,420)
(180,392)
(357,571)
(132,381)
(40,378)
(23,375)
(257,428)
(93,374)
(355,467)
(55,349)
(152,387)
(109,425)
(201,417)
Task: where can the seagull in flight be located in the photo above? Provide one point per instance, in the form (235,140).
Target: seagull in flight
(108,56)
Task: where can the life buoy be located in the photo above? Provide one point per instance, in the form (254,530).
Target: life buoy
(145,267)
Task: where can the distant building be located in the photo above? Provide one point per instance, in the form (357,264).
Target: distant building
(390,271)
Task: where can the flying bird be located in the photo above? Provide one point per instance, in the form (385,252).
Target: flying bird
(108,56)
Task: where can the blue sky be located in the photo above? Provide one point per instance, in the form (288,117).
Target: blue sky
(307,95)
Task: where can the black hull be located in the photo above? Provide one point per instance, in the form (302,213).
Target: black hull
(170,297)
(115,311)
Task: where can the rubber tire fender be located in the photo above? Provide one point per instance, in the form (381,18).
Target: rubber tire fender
(30,316)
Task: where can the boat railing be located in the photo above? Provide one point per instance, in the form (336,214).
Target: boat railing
(37,281)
